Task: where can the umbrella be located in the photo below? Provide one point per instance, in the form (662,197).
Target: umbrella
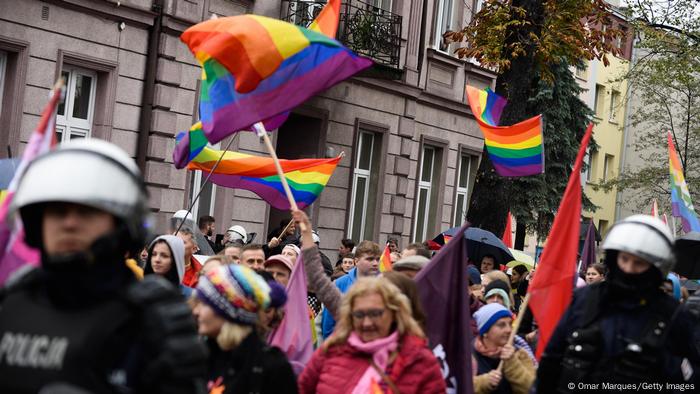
(688,255)
(481,243)
(521,258)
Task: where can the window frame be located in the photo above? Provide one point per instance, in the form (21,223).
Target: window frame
(599,101)
(607,165)
(366,175)
(66,122)
(614,98)
(3,74)
(195,184)
(428,187)
(459,212)
(437,197)
(439,28)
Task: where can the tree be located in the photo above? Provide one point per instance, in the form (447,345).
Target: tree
(529,43)
(665,81)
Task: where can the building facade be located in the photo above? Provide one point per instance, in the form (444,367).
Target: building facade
(411,144)
(605,96)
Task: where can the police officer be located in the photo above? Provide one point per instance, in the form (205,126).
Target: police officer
(624,330)
(81,319)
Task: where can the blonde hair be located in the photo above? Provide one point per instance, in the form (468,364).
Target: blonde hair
(500,275)
(231,335)
(395,301)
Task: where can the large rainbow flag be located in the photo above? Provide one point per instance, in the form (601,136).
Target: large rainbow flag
(257,68)
(681,202)
(306,177)
(516,150)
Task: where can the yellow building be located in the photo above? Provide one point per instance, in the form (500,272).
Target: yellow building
(606,99)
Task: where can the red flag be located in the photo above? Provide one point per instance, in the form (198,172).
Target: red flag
(552,286)
(507,237)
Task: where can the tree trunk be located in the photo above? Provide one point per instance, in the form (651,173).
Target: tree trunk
(519,236)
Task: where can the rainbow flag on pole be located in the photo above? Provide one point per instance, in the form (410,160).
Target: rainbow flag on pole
(256,68)
(516,150)
(306,177)
(385,260)
(680,196)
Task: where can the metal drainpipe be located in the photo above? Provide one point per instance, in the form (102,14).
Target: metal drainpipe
(625,134)
(148,86)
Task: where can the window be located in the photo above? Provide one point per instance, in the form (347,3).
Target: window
(592,158)
(443,23)
(465,176)
(74,114)
(3,67)
(582,72)
(614,105)
(426,196)
(607,167)
(384,5)
(599,100)
(478,4)
(622,39)
(205,203)
(363,197)
(602,226)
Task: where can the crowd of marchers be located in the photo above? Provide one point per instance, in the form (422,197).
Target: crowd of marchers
(113,309)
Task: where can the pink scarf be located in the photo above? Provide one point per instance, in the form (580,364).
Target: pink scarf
(380,349)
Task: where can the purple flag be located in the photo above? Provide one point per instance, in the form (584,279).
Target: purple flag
(443,290)
(588,253)
(293,335)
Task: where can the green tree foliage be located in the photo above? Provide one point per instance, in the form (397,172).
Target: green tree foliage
(530,43)
(665,81)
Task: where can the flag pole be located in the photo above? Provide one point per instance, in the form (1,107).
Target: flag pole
(516,324)
(261,132)
(206,180)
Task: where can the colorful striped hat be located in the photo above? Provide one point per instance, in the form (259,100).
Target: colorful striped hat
(235,292)
(489,314)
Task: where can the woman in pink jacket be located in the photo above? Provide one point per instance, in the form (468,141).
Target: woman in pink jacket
(376,344)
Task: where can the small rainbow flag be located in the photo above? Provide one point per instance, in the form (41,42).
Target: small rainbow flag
(488,105)
(306,177)
(256,68)
(680,196)
(516,150)
(385,260)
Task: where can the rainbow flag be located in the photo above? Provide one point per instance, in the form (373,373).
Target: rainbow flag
(385,260)
(516,150)
(256,68)
(327,20)
(488,106)
(306,177)
(680,196)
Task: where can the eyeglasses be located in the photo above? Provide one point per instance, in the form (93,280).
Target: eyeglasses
(373,314)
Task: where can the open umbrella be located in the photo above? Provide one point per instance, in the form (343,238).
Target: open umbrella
(688,255)
(481,243)
(521,258)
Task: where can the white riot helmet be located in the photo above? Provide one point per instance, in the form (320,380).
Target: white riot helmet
(237,234)
(643,236)
(88,172)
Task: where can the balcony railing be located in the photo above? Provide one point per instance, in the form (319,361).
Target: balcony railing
(365,28)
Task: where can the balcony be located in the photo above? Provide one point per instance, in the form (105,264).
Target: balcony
(366,29)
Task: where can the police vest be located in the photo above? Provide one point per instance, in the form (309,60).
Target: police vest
(41,344)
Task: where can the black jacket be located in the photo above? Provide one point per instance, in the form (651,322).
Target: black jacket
(252,367)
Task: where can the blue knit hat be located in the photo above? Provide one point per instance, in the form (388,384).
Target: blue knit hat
(489,314)
(474,275)
(235,292)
